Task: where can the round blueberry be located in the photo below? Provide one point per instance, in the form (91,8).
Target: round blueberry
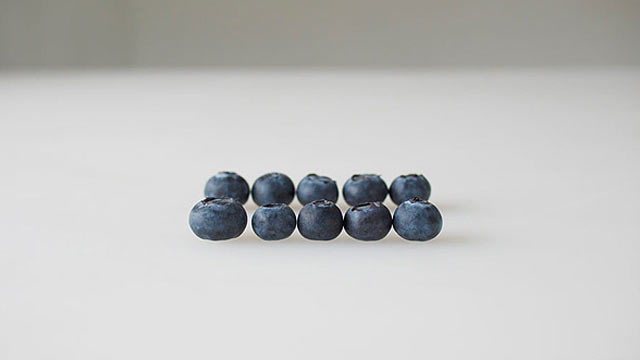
(218,219)
(227,184)
(273,221)
(364,188)
(273,188)
(417,219)
(405,187)
(368,221)
(313,187)
(320,220)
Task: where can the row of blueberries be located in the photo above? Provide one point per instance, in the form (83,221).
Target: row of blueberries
(221,216)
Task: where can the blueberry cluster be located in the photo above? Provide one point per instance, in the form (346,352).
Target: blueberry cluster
(221,216)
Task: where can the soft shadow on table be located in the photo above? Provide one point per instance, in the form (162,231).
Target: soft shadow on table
(249,239)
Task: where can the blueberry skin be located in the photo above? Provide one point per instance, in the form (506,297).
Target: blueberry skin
(405,187)
(273,188)
(364,188)
(218,219)
(417,219)
(314,187)
(227,184)
(368,221)
(273,221)
(320,220)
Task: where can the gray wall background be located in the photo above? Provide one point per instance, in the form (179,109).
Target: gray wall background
(85,33)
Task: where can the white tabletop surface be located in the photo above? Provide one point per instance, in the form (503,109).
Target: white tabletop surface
(536,172)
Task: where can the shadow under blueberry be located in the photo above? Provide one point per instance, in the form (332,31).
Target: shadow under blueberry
(249,238)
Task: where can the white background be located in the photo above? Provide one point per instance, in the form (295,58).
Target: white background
(356,33)
(536,174)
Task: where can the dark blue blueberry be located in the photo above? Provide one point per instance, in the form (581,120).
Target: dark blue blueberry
(368,221)
(227,184)
(320,220)
(364,188)
(273,188)
(273,221)
(417,219)
(313,187)
(218,219)
(405,187)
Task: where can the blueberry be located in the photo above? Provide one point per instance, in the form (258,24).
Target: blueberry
(273,221)
(364,188)
(417,219)
(368,221)
(320,220)
(218,219)
(313,187)
(273,188)
(405,187)
(227,184)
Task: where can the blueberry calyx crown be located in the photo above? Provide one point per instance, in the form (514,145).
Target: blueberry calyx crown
(230,173)
(410,175)
(217,200)
(363,206)
(418,199)
(358,177)
(273,205)
(323,179)
(322,203)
